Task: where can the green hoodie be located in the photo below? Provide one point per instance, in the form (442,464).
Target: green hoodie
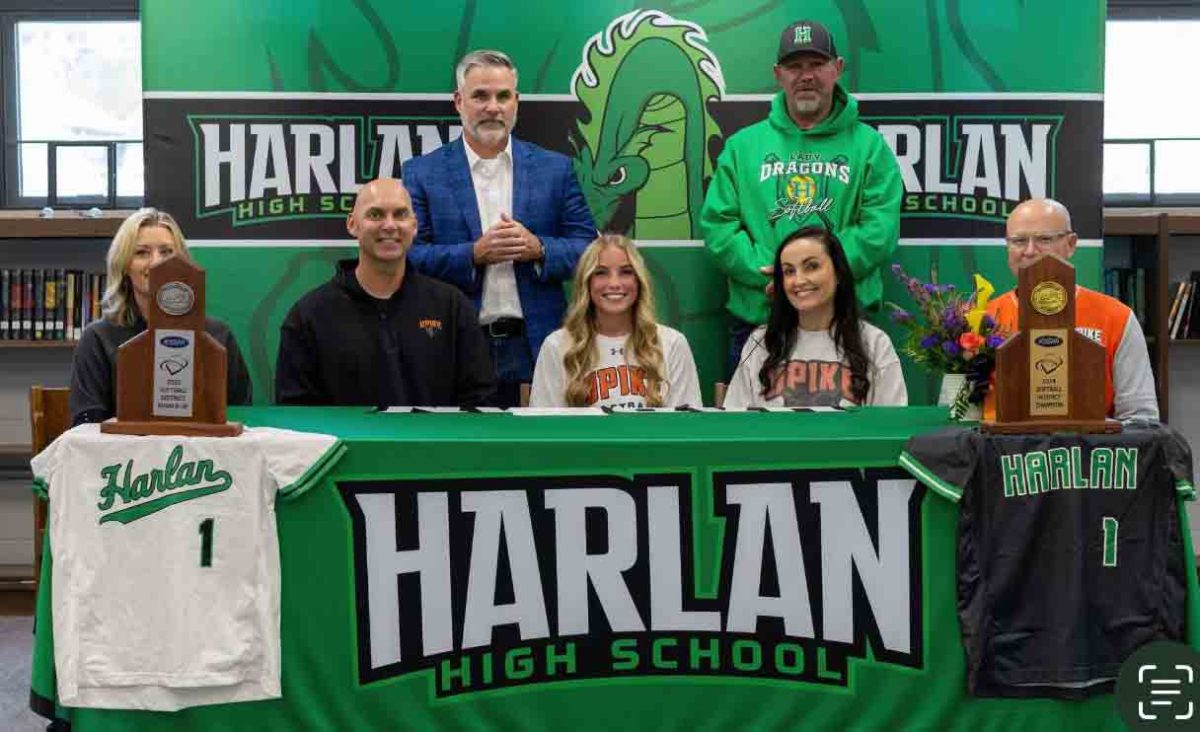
(773,178)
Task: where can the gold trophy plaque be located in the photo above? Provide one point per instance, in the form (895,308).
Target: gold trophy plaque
(1049,372)
(1049,377)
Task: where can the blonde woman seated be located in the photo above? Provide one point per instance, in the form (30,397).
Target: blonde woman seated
(144,239)
(611,351)
(814,350)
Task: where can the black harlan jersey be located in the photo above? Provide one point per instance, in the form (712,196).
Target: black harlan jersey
(1070,554)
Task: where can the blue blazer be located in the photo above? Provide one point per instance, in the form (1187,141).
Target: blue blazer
(546,200)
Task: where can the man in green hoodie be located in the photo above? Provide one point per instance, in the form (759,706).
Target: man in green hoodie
(810,163)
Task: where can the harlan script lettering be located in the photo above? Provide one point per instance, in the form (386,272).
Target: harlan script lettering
(140,489)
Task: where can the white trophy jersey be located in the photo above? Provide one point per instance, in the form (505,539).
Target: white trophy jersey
(166,562)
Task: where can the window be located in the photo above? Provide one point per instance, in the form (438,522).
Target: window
(1151,119)
(74,129)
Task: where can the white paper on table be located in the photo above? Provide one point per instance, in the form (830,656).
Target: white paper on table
(793,409)
(558,411)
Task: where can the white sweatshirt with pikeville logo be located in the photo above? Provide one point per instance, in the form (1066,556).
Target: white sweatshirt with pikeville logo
(618,381)
(815,374)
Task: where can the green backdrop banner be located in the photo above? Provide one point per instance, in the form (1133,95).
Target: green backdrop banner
(373,46)
(259,149)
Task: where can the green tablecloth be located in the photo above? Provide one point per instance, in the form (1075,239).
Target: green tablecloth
(873,663)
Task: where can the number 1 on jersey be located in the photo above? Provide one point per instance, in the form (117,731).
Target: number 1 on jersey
(206,539)
(1109,526)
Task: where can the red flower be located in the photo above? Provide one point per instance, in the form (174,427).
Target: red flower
(971,341)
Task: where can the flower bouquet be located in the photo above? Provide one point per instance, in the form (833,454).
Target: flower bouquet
(949,331)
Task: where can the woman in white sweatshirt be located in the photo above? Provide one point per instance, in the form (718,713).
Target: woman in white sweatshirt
(814,349)
(611,350)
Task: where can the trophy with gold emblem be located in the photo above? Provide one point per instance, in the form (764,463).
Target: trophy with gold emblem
(1049,377)
(171,378)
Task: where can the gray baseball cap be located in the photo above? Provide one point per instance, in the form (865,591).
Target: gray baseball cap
(806,36)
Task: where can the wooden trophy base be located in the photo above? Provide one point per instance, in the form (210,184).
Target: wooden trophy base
(1051,425)
(186,429)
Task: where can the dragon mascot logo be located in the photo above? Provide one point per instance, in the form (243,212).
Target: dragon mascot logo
(642,146)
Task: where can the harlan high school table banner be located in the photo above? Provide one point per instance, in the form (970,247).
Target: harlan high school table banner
(264,117)
(666,571)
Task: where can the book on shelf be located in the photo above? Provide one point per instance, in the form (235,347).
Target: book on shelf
(1128,284)
(1185,301)
(48,304)
(85,304)
(60,304)
(1174,298)
(27,304)
(39,304)
(5,278)
(1191,321)
(69,306)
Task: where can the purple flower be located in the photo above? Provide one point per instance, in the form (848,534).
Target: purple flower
(995,340)
(951,348)
(953,318)
(897,270)
(929,341)
(988,321)
(901,316)
(931,289)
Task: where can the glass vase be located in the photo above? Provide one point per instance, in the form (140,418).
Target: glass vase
(953,396)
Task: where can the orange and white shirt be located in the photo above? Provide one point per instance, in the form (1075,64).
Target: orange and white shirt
(816,373)
(1128,379)
(618,381)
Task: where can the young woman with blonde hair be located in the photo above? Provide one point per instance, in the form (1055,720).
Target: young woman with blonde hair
(611,350)
(144,239)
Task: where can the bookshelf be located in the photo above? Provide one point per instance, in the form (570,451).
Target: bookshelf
(1150,232)
(69,241)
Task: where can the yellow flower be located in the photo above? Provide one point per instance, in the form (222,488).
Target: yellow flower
(983,293)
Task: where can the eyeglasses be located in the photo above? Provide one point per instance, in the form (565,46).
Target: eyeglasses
(1041,242)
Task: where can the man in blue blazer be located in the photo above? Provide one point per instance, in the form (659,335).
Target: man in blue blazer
(502,219)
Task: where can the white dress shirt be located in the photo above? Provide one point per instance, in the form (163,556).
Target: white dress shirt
(493,182)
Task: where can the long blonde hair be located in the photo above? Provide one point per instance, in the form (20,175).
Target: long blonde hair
(118,303)
(580,359)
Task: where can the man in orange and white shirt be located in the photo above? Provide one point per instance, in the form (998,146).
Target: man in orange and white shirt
(1043,226)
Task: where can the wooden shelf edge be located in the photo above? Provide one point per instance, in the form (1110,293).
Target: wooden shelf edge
(1144,221)
(66,224)
(38,344)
